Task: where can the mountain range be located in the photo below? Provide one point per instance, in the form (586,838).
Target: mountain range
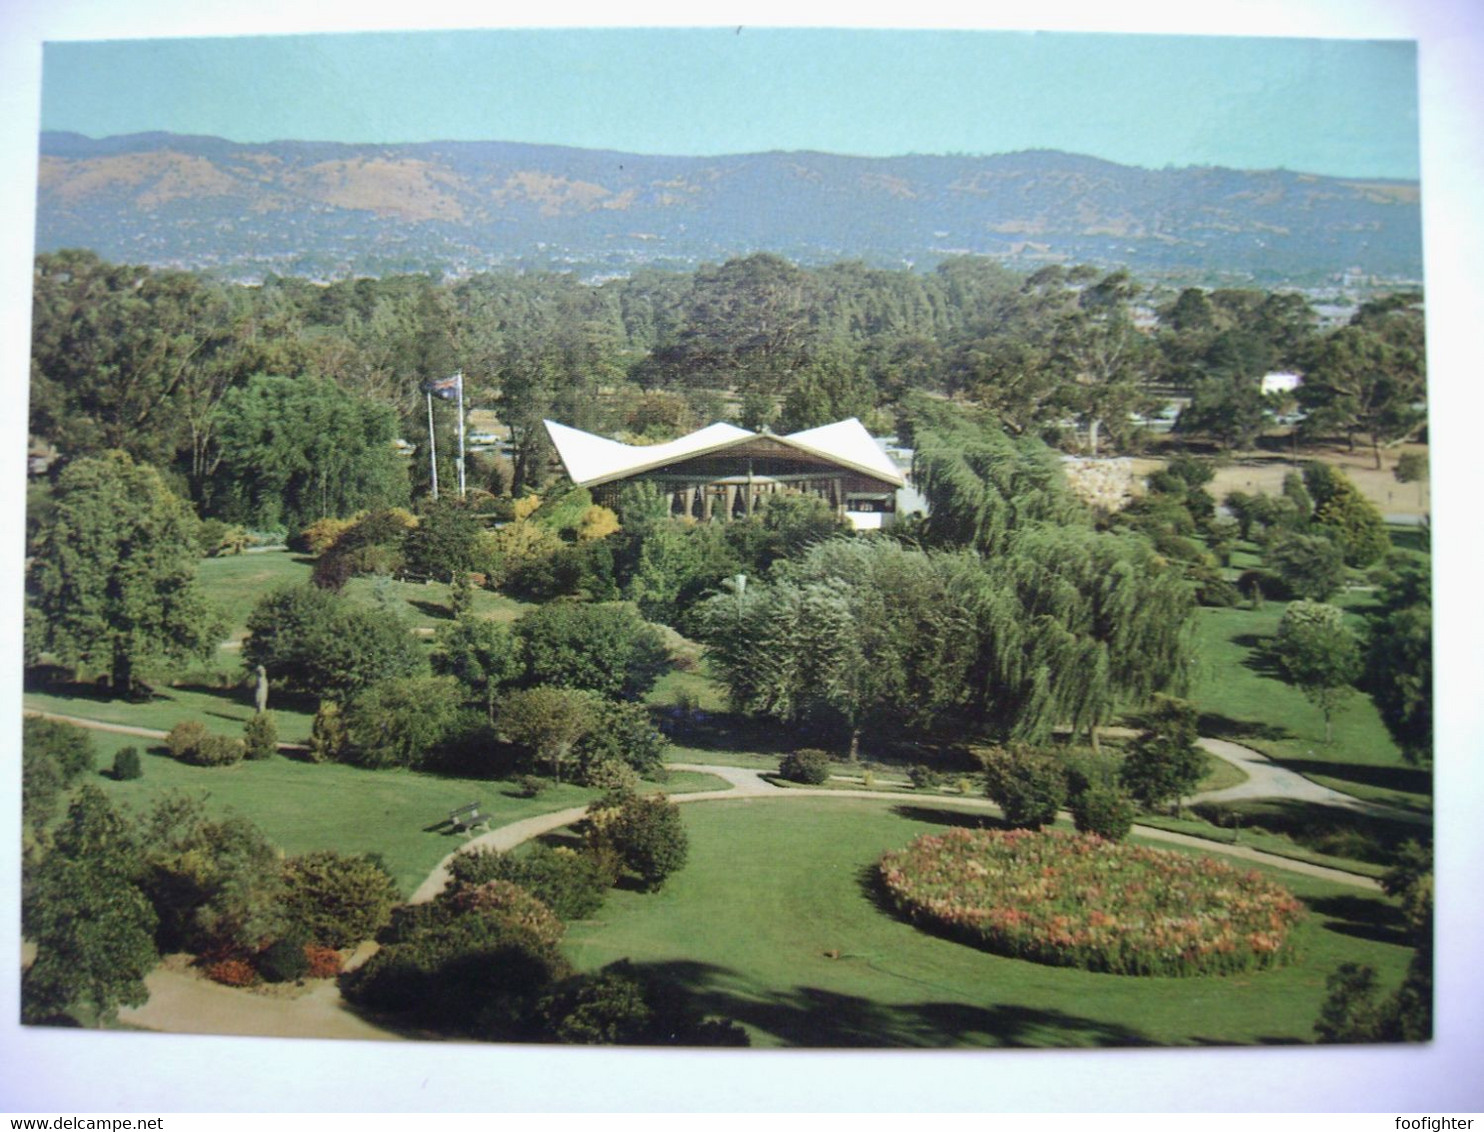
(330,210)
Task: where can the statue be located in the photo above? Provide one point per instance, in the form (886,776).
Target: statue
(260,694)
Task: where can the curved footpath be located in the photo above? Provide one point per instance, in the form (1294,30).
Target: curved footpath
(181,1002)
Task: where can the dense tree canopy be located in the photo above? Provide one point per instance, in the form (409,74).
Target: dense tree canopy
(113,572)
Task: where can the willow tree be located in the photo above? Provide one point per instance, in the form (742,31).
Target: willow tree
(857,634)
(982,486)
(1074,626)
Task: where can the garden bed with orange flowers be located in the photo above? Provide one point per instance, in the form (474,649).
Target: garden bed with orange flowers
(1079,901)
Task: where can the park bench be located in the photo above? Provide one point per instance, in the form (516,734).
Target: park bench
(467,817)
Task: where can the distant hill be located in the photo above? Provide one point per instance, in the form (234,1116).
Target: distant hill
(329,210)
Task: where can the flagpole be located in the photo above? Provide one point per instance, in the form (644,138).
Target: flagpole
(432,446)
(460,376)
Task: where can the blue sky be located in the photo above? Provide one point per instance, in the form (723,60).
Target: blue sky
(1345,107)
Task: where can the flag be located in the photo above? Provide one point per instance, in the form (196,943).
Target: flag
(449,388)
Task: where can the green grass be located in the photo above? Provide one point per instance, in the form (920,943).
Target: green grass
(303,806)
(1243,698)
(772,889)
(223,710)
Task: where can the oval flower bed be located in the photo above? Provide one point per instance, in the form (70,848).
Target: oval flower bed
(1079,901)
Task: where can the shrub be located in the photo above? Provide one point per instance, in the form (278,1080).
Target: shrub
(1103,810)
(924,777)
(650,838)
(806,765)
(336,899)
(327,733)
(320,535)
(260,736)
(218,750)
(475,974)
(232,972)
(184,738)
(514,904)
(616,1006)
(1028,785)
(1079,901)
(571,884)
(530,785)
(324,962)
(283,960)
(625,733)
(1163,764)
(608,775)
(126,764)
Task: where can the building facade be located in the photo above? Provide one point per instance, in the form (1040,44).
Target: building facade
(723,472)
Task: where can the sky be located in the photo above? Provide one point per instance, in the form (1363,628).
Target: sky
(1335,106)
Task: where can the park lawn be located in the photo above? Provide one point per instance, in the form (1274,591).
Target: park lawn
(1242,697)
(222,710)
(302,806)
(773,923)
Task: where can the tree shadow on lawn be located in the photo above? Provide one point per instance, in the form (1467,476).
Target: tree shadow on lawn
(734,734)
(434,609)
(1403,779)
(1259,658)
(1361,918)
(1217,726)
(812,1017)
(930,815)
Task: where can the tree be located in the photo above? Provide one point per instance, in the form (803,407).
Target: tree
(1312,567)
(650,837)
(1346,516)
(608,649)
(447,541)
(1318,655)
(1164,764)
(298,449)
(1398,661)
(113,572)
(482,655)
(1370,377)
(401,721)
(317,642)
(548,721)
(53,756)
(93,928)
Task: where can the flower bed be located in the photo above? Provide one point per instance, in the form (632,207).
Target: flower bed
(1079,901)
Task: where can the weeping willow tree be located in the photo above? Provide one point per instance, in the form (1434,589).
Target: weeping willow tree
(982,487)
(858,634)
(1075,625)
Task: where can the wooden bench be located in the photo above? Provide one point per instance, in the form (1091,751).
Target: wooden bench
(467,817)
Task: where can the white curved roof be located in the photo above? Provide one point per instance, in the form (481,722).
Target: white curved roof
(593,459)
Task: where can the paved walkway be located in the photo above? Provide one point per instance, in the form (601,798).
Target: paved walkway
(182,1002)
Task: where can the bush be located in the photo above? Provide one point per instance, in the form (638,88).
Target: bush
(531,785)
(232,972)
(512,902)
(184,738)
(608,775)
(327,733)
(126,764)
(1103,810)
(260,736)
(616,1006)
(337,899)
(573,885)
(806,765)
(924,777)
(283,960)
(624,733)
(650,838)
(475,974)
(1164,764)
(1028,785)
(324,962)
(1122,909)
(1311,566)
